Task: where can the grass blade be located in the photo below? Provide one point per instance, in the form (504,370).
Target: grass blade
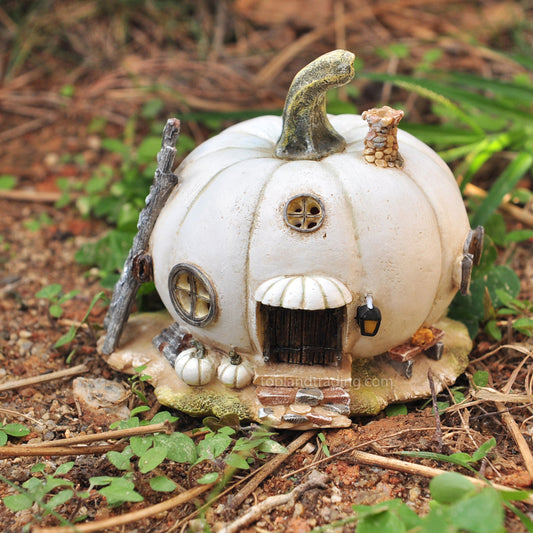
(443,135)
(487,149)
(441,92)
(430,91)
(498,88)
(505,183)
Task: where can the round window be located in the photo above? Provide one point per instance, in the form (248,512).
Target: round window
(192,295)
(304,213)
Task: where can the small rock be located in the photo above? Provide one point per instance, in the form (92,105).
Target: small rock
(101,401)
(339,408)
(319,419)
(24,347)
(40,350)
(309,448)
(300,409)
(309,396)
(336,495)
(293,418)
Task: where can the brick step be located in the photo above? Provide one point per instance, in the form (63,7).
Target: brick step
(309,396)
(329,415)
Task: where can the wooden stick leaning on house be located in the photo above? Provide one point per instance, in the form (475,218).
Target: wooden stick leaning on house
(130,280)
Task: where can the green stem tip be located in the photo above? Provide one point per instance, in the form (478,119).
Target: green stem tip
(307,132)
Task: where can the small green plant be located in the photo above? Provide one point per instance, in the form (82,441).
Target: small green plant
(325,448)
(7,182)
(137,383)
(73,330)
(12,430)
(396,409)
(56,298)
(35,224)
(514,310)
(481,378)
(48,491)
(144,454)
(457,506)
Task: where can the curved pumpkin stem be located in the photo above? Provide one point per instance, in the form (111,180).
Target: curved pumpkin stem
(200,349)
(307,132)
(234,357)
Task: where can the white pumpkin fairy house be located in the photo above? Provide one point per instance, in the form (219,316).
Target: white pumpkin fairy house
(291,252)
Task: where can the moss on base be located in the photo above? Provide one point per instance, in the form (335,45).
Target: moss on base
(203,403)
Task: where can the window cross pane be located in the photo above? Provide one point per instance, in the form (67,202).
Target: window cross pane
(192,295)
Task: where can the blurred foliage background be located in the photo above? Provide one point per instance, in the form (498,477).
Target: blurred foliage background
(85,88)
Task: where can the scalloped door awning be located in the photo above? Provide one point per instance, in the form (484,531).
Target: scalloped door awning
(303,292)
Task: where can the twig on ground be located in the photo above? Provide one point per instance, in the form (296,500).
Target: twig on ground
(59,451)
(361,445)
(513,428)
(30,196)
(115,434)
(436,413)
(184,521)
(517,347)
(316,480)
(270,467)
(128,518)
(26,127)
(518,213)
(42,378)
(511,424)
(17,414)
(416,469)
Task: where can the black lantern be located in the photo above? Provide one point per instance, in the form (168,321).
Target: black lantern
(368,318)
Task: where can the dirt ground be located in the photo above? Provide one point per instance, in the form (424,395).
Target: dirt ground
(223,56)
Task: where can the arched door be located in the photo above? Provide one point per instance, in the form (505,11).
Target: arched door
(299,336)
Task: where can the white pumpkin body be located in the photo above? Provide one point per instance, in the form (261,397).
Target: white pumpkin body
(234,376)
(194,371)
(396,234)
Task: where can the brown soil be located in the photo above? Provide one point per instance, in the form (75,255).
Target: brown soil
(225,56)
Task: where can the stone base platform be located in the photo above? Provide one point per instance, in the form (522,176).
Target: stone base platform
(369,385)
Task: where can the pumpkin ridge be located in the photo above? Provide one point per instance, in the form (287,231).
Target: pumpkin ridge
(253,334)
(338,290)
(321,289)
(284,292)
(209,183)
(226,148)
(438,225)
(250,134)
(339,178)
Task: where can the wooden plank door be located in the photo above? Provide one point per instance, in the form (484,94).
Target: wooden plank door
(298,336)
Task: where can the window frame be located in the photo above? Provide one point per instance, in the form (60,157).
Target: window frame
(305,215)
(195,275)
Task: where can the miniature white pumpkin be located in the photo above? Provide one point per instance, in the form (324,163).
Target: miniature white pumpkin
(234,373)
(240,220)
(194,367)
